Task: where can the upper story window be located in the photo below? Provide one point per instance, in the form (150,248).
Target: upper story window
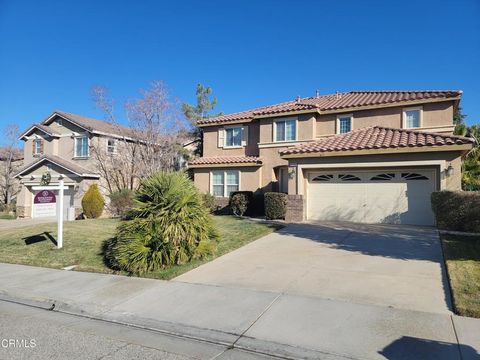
(412,117)
(223,183)
(81,146)
(285,130)
(233,136)
(111,146)
(37,147)
(344,124)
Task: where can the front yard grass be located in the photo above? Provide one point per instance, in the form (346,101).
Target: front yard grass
(462,255)
(6,216)
(82,244)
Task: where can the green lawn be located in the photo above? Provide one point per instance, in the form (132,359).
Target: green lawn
(6,216)
(462,255)
(33,245)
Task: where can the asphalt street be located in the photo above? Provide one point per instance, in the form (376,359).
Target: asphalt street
(33,333)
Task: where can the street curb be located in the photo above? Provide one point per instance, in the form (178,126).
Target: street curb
(210,336)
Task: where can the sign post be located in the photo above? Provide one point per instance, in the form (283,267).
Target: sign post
(60,216)
(47,199)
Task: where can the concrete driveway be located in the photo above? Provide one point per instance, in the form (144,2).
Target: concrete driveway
(387,265)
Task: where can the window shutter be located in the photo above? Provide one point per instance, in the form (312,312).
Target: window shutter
(221,137)
(41,147)
(244,135)
(33,147)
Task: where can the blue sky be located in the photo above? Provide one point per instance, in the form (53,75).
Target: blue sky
(252,53)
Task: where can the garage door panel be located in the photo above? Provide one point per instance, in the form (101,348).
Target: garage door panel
(384,202)
(399,197)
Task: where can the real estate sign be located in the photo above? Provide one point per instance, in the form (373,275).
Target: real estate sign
(44,204)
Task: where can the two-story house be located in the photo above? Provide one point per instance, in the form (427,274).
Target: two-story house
(61,146)
(362,156)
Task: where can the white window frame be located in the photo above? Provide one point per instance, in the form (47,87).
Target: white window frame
(404,117)
(274,135)
(343,116)
(76,138)
(224,181)
(114,146)
(37,141)
(225,137)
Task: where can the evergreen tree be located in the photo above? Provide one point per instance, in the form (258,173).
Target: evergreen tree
(202,110)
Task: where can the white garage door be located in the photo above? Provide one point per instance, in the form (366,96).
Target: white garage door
(381,196)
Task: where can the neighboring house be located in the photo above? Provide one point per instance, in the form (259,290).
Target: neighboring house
(189,150)
(61,146)
(362,156)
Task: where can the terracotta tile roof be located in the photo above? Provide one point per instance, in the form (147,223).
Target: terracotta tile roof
(337,101)
(220,160)
(377,137)
(75,168)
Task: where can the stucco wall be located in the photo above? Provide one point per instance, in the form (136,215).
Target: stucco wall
(305,127)
(434,115)
(249,178)
(49,147)
(271,159)
(210,142)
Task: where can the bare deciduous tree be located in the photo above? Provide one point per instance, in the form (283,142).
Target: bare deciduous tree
(10,157)
(152,140)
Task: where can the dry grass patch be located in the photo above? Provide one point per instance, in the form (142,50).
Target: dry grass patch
(462,255)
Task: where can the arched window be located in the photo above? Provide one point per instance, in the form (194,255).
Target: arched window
(383,177)
(348,177)
(321,178)
(413,176)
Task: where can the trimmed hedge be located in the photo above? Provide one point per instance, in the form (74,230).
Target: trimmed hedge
(457,210)
(93,202)
(241,201)
(275,205)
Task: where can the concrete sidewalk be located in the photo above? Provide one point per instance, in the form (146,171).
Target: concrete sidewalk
(265,322)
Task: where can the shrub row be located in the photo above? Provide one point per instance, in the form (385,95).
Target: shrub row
(272,204)
(275,205)
(457,210)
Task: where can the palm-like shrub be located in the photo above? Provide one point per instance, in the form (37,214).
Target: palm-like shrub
(168,223)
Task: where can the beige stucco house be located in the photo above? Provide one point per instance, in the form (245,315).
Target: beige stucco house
(363,156)
(61,146)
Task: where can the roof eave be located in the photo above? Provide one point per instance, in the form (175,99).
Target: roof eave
(408,149)
(193,166)
(41,160)
(31,128)
(45,122)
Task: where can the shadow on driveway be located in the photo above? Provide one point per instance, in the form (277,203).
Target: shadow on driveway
(408,347)
(391,241)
